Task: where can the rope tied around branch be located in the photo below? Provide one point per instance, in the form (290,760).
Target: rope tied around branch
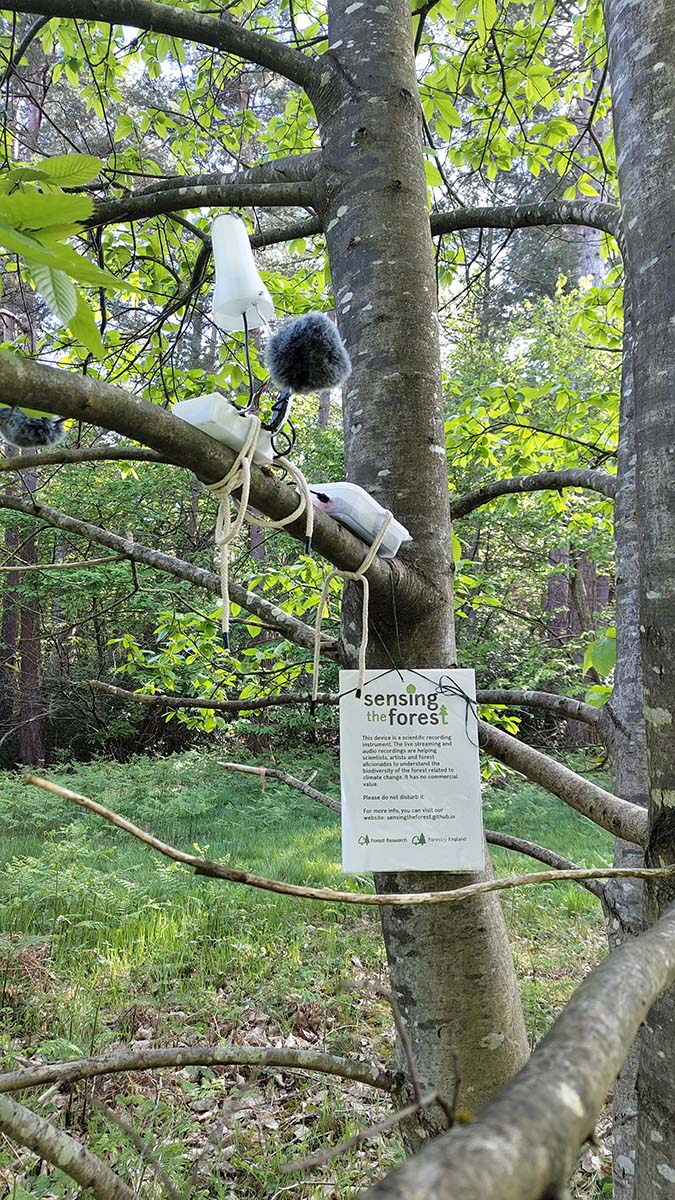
(354,576)
(239,477)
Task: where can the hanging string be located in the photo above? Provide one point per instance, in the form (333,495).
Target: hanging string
(355,576)
(239,477)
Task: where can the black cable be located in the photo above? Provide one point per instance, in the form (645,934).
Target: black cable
(249,369)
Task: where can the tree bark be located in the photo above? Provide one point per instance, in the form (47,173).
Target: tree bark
(640,42)
(453,977)
(31,698)
(624,735)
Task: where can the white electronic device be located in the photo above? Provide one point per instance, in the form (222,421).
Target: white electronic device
(222,420)
(240,298)
(352,506)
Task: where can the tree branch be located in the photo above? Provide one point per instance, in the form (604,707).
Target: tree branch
(27,462)
(531,849)
(541,854)
(57,1147)
(594,213)
(290,627)
(160,1058)
(522,1145)
(88,399)
(290,168)
(290,780)
(26,41)
(233,195)
(214,870)
(562,706)
(597,481)
(221,32)
(250,704)
(619,817)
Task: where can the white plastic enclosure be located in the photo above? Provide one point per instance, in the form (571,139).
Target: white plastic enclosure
(352,506)
(238,288)
(222,420)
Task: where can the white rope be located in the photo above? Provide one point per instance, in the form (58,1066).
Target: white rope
(355,576)
(305,505)
(239,476)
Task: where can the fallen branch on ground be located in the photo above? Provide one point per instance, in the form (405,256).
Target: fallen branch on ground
(162,1057)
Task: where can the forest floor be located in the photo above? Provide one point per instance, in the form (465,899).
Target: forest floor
(104,944)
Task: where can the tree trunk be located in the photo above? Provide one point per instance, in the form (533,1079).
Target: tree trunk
(640,40)
(31,705)
(9,626)
(624,735)
(452,973)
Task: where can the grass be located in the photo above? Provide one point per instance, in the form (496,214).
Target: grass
(103,943)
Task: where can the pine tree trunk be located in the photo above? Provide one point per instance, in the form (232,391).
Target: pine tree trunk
(452,971)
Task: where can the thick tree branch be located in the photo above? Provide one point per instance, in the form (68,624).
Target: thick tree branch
(57,1147)
(290,168)
(215,195)
(214,870)
(88,399)
(221,32)
(624,820)
(597,481)
(594,213)
(290,627)
(562,706)
(273,1057)
(522,1145)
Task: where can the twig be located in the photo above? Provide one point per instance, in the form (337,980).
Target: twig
(284,777)
(66,566)
(404,1038)
(140,1145)
(214,870)
(319,1160)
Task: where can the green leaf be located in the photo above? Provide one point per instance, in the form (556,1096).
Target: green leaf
(601,654)
(432,173)
(84,328)
(62,258)
(35,210)
(22,172)
(125,126)
(72,170)
(456,549)
(56,290)
(485,19)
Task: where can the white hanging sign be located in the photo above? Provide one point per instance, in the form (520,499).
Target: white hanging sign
(409,772)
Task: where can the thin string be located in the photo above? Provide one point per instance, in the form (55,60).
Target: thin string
(355,576)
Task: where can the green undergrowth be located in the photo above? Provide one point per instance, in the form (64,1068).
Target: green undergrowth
(104,942)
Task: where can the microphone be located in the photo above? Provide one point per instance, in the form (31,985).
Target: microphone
(307,354)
